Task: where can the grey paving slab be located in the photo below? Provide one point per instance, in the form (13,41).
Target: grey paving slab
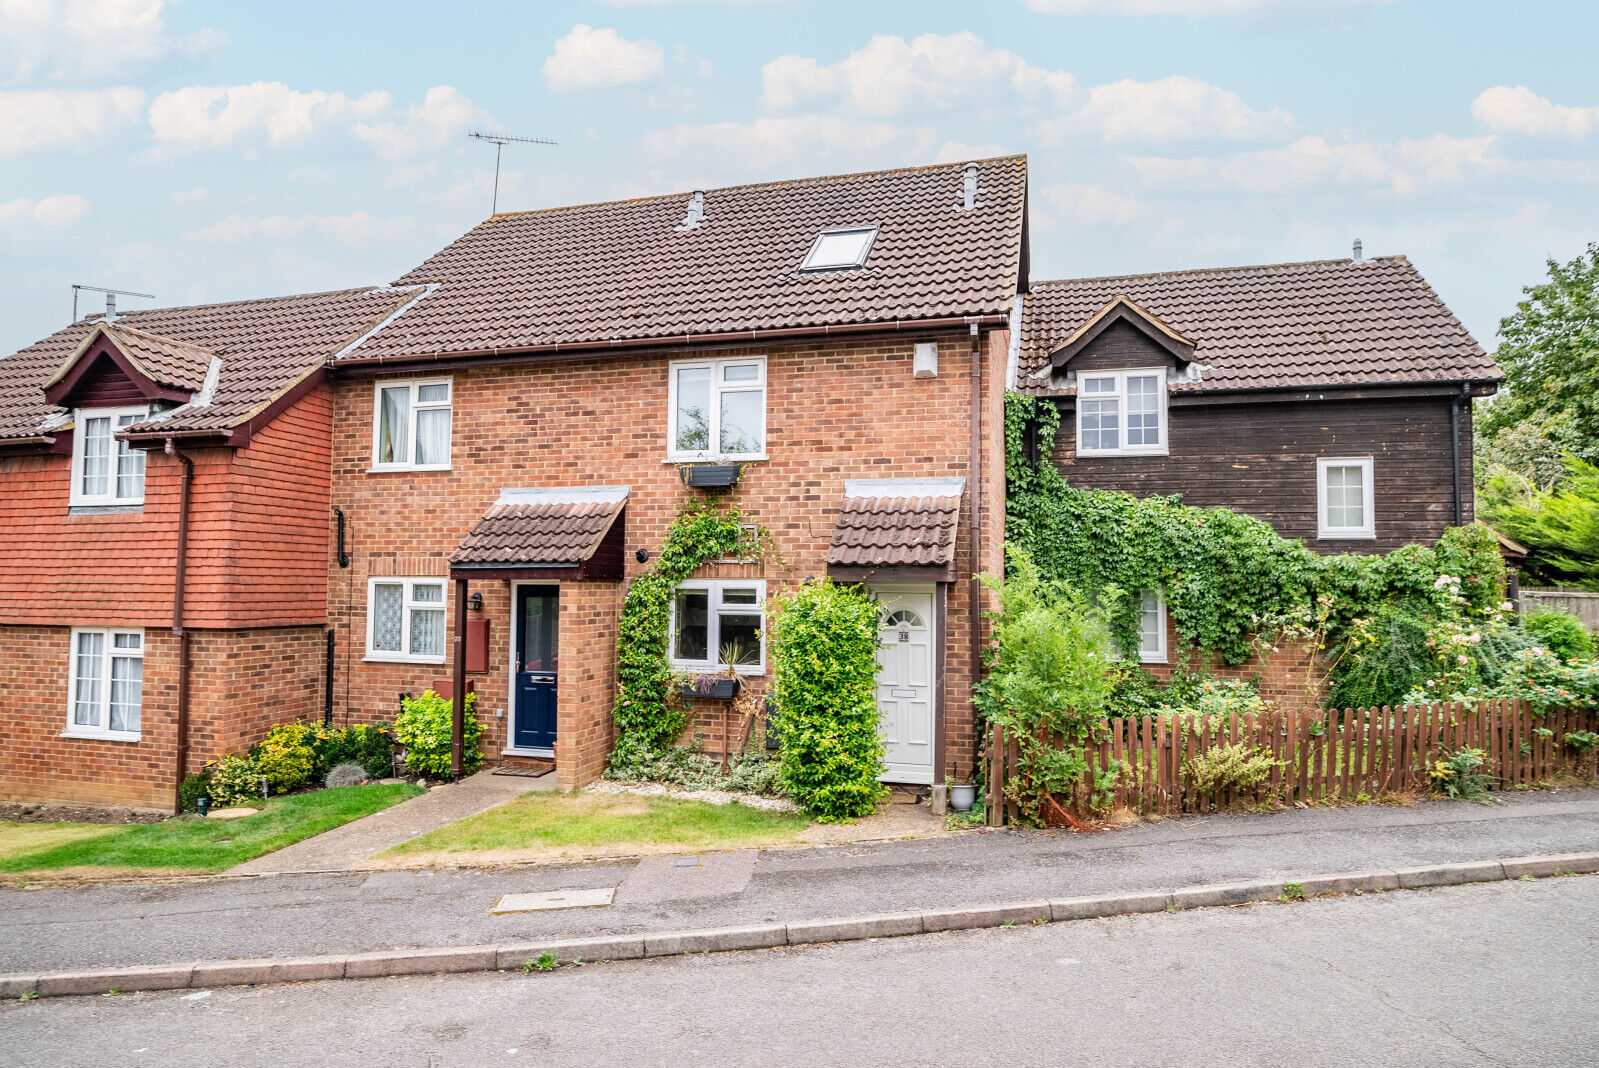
(656,880)
(345,847)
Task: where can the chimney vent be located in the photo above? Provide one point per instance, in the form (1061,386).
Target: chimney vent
(695,213)
(1360,252)
(110,307)
(969,188)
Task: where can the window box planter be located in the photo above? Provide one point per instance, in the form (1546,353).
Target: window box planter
(714,687)
(710,476)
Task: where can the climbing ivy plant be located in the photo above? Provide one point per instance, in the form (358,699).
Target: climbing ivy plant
(1225,577)
(648,717)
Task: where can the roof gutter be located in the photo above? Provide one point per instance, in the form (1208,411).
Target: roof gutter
(561,349)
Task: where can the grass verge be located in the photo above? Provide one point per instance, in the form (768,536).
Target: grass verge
(549,823)
(186,844)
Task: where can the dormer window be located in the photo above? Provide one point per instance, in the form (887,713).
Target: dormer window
(106,471)
(841,248)
(1121,413)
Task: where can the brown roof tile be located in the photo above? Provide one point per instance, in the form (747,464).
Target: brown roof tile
(1332,322)
(542,526)
(628,271)
(162,360)
(266,346)
(897,523)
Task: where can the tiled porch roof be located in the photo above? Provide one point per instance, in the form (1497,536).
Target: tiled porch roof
(532,527)
(897,522)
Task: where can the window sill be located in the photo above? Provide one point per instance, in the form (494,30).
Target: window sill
(119,508)
(100,736)
(746,671)
(1096,453)
(397,658)
(680,459)
(407,470)
(1334,535)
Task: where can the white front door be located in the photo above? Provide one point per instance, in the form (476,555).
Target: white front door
(905,679)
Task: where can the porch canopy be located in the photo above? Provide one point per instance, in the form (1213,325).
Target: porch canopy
(559,533)
(896,530)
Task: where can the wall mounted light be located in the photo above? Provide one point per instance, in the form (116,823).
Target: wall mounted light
(475,602)
(642,556)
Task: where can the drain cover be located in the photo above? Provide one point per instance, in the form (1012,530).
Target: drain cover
(546,900)
(686,862)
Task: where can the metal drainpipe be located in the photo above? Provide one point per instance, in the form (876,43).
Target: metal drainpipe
(1454,441)
(179,580)
(976,470)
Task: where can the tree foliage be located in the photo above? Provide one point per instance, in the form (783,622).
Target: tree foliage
(1561,528)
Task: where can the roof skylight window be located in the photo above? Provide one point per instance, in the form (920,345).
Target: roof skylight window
(845,247)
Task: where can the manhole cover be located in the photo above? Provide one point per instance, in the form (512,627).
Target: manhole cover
(686,862)
(553,899)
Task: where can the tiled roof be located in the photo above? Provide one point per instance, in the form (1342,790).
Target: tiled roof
(542,526)
(630,271)
(266,346)
(160,359)
(1333,322)
(897,523)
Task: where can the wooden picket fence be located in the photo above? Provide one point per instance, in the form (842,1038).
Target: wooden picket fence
(1323,755)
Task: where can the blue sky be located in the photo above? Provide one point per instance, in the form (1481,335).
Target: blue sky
(210,152)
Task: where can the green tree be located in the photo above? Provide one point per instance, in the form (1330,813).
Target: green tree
(1549,351)
(1561,528)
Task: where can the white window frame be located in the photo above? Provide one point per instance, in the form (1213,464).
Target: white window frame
(1157,654)
(1120,397)
(808,265)
(713,614)
(102,730)
(412,407)
(718,387)
(1325,530)
(408,604)
(75,495)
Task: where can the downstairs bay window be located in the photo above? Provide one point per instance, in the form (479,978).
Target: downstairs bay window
(717,624)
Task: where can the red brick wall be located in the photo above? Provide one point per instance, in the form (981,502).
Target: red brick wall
(241,682)
(1290,675)
(835,410)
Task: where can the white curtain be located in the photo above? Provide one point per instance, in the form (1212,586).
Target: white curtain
(432,436)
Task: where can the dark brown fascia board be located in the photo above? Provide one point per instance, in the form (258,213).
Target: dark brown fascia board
(1124,311)
(895,573)
(38,444)
(561,351)
(148,388)
(1302,394)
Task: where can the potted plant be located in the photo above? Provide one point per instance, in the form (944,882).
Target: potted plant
(962,795)
(726,685)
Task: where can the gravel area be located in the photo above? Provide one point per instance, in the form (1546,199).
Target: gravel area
(710,797)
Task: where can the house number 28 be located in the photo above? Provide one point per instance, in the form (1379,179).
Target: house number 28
(904,635)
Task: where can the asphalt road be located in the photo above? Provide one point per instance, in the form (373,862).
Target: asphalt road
(66,927)
(1494,974)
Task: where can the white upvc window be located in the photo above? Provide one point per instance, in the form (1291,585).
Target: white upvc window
(717,410)
(105,470)
(1121,413)
(1344,498)
(719,623)
(405,620)
(1151,627)
(105,688)
(411,425)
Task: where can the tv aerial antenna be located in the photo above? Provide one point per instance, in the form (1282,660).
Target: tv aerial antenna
(111,296)
(499,141)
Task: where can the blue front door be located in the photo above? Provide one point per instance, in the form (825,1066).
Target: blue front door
(537,649)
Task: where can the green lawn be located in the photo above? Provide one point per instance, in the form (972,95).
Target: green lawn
(187,844)
(549,822)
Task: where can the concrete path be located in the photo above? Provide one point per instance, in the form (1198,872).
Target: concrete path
(345,847)
(60,928)
(1497,974)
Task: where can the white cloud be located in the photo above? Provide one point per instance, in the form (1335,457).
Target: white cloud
(587,58)
(444,115)
(35,119)
(1405,166)
(1087,205)
(78,37)
(891,76)
(1195,8)
(217,116)
(356,230)
(773,146)
(1171,109)
(1522,111)
(54,211)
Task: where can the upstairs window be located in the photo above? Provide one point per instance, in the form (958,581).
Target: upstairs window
(411,426)
(106,690)
(719,624)
(405,620)
(1344,498)
(1151,627)
(844,247)
(718,410)
(1121,413)
(106,471)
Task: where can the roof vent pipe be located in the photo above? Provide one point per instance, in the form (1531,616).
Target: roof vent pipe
(695,213)
(969,188)
(110,307)
(1360,252)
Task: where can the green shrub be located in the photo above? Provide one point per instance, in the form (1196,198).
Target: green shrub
(193,788)
(826,685)
(235,780)
(1459,775)
(1235,766)
(1561,633)
(752,774)
(682,765)
(346,774)
(424,728)
(285,756)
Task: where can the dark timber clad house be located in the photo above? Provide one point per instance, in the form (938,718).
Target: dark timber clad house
(450,482)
